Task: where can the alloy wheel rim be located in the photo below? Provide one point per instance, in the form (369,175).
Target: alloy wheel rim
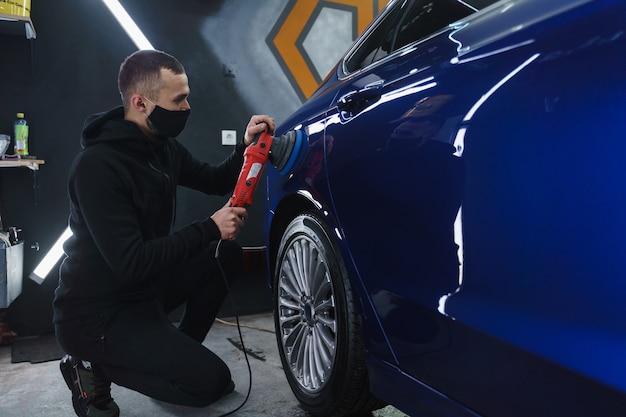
(307,314)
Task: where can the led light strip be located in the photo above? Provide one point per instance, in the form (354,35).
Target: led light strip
(50,260)
(128,24)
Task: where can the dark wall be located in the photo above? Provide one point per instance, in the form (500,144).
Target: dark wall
(70,71)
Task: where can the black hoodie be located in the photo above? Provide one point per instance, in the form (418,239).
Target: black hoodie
(122,189)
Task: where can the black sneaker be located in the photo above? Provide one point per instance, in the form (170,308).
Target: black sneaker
(91,394)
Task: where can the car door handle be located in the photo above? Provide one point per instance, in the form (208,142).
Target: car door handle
(354,102)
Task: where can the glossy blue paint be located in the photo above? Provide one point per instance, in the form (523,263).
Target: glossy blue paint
(475,183)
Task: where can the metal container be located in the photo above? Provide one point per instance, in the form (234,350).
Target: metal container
(11,272)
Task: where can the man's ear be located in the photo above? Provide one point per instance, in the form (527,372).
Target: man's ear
(138,103)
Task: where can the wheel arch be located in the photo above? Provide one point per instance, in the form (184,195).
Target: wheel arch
(297,203)
(288,208)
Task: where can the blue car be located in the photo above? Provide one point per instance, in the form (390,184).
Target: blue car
(453,240)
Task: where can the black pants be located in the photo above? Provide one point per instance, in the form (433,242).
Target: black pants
(139,348)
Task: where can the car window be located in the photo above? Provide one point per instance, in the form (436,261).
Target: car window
(408,21)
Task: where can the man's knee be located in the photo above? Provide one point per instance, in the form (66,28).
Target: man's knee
(204,384)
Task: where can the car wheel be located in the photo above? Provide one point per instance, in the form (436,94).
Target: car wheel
(317,324)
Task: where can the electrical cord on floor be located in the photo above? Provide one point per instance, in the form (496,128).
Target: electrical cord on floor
(247,326)
(243,347)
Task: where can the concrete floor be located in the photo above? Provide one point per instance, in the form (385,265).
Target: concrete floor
(39,390)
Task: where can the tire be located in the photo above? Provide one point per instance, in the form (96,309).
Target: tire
(317,323)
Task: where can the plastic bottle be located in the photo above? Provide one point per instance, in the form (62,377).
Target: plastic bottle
(20,129)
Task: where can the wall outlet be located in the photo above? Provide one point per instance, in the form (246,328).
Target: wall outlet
(229,137)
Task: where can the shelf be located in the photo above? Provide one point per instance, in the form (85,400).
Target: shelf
(17,25)
(28,163)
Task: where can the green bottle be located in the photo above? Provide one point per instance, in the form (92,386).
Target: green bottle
(20,129)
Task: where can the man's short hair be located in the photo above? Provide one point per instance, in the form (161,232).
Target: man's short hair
(141,73)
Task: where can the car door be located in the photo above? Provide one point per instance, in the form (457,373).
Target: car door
(395,178)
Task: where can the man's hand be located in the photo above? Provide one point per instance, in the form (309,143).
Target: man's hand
(257,124)
(230,220)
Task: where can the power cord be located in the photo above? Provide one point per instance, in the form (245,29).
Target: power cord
(245,354)
(247,326)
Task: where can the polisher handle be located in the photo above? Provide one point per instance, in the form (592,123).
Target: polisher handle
(254,159)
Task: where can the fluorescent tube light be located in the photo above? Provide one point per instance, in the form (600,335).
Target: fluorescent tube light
(50,260)
(128,24)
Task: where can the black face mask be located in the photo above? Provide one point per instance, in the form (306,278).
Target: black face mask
(169,123)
